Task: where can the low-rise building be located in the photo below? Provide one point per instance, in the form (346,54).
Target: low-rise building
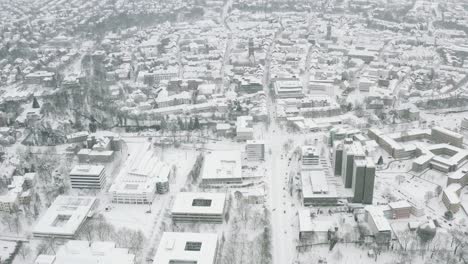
(400,209)
(222,167)
(64,217)
(85,252)
(378,224)
(451,197)
(315,189)
(88,177)
(460,176)
(174,247)
(314,230)
(443,135)
(199,207)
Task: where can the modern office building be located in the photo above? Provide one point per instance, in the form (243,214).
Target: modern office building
(363,181)
(87,176)
(443,135)
(309,157)
(222,167)
(199,207)
(64,217)
(255,150)
(85,252)
(351,151)
(185,248)
(316,191)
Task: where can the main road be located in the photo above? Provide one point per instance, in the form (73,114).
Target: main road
(283,246)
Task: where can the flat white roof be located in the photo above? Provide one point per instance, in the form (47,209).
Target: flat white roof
(199,203)
(87,170)
(65,215)
(399,205)
(182,247)
(222,165)
(315,184)
(451,193)
(459,174)
(378,218)
(82,252)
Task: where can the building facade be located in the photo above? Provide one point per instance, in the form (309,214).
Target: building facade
(88,177)
(363,181)
(255,150)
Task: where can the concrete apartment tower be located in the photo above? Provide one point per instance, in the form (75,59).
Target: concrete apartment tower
(363,181)
(338,158)
(351,151)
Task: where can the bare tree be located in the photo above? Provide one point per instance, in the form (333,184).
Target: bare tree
(24,250)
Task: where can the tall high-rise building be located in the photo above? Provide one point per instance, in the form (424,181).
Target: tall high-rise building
(352,151)
(363,181)
(251,51)
(338,158)
(329,31)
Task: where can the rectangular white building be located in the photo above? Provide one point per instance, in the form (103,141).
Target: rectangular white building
(378,224)
(443,135)
(222,167)
(85,252)
(199,207)
(187,248)
(64,217)
(88,177)
(316,190)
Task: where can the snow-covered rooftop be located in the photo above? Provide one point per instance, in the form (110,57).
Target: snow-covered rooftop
(197,248)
